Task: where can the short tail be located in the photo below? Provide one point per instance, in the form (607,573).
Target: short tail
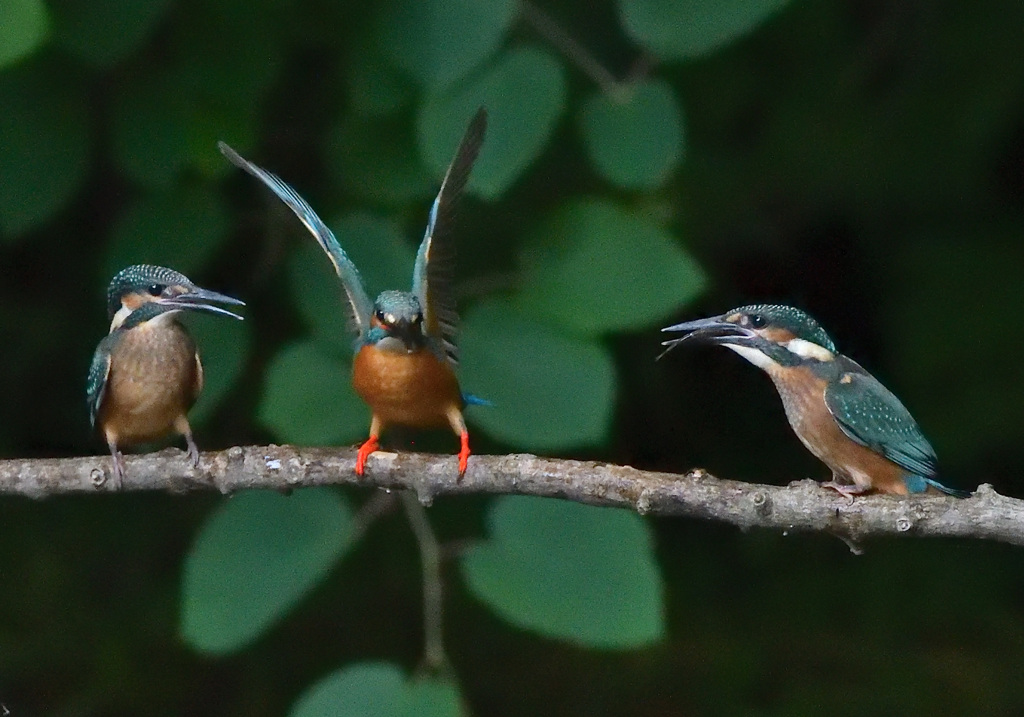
(471,400)
(919,484)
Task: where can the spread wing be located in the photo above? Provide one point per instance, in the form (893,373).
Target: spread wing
(360,305)
(99,373)
(434,262)
(871,415)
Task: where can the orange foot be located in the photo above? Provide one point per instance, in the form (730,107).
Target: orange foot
(364,451)
(845,489)
(464,453)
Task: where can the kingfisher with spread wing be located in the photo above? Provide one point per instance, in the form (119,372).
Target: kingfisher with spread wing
(405,353)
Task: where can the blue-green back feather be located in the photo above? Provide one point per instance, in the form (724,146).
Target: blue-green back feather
(99,372)
(871,415)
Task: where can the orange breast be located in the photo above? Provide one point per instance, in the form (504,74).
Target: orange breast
(154,378)
(803,395)
(412,389)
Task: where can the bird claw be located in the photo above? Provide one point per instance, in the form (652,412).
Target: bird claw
(844,489)
(365,450)
(193,452)
(464,453)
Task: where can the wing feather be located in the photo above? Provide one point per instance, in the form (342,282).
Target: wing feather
(871,415)
(432,280)
(360,306)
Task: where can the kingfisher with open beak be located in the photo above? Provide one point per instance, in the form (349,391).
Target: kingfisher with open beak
(840,412)
(146,372)
(405,353)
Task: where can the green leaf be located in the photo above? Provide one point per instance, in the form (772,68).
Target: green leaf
(384,260)
(162,128)
(594,267)
(375,88)
(439,41)
(44,155)
(255,557)
(634,140)
(24,27)
(524,92)
(377,689)
(377,163)
(570,571)
(309,398)
(550,390)
(684,29)
(182,229)
(224,345)
(105,31)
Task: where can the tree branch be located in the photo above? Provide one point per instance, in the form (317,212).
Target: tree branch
(801,506)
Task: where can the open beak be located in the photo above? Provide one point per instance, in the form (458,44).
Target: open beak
(714,330)
(203,300)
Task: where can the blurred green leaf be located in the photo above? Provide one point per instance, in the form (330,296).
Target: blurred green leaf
(384,260)
(439,41)
(524,92)
(163,126)
(570,571)
(550,390)
(255,557)
(684,29)
(44,154)
(24,27)
(375,88)
(309,398)
(181,229)
(594,267)
(378,163)
(377,689)
(224,344)
(105,31)
(636,140)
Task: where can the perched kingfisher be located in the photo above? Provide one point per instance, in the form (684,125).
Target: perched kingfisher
(146,373)
(840,412)
(405,352)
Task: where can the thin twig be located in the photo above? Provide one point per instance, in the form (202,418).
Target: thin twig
(433,596)
(801,506)
(575,52)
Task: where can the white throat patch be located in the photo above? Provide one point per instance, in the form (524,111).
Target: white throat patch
(752,355)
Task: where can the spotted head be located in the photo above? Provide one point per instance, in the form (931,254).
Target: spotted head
(159,290)
(397,322)
(764,334)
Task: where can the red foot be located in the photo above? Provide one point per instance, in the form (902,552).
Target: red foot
(364,451)
(464,453)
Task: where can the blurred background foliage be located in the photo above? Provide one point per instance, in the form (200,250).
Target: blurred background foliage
(646,161)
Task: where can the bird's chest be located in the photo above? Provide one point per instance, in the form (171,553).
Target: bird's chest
(803,397)
(407,388)
(155,376)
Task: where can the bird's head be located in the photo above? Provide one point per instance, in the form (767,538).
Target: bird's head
(161,291)
(397,322)
(765,334)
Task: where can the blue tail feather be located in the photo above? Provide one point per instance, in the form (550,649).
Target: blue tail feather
(471,400)
(919,484)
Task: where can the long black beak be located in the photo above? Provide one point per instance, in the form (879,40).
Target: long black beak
(714,330)
(202,300)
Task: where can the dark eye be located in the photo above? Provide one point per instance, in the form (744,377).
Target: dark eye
(379,315)
(155,289)
(758,321)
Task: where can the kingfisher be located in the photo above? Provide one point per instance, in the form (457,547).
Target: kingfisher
(405,351)
(146,373)
(840,412)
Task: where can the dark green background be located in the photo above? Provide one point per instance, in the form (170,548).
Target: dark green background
(862,160)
